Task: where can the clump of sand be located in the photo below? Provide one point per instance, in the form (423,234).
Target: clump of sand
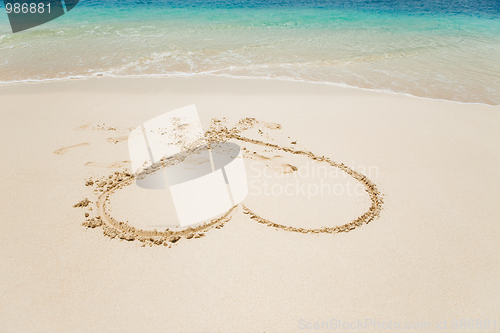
(83,203)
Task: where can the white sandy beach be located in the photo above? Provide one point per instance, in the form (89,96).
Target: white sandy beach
(430,257)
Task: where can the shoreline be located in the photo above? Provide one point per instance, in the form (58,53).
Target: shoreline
(210,74)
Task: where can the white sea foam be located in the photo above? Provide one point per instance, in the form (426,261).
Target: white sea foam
(460,65)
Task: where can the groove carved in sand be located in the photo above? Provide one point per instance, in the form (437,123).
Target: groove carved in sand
(121,230)
(117,139)
(220,133)
(64,150)
(112,165)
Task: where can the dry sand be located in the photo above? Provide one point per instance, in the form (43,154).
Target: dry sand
(429,255)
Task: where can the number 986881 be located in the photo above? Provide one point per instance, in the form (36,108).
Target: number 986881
(27,8)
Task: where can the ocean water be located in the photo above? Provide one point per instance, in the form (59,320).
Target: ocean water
(429,48)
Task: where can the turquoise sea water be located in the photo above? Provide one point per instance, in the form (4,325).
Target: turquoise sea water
(435,49)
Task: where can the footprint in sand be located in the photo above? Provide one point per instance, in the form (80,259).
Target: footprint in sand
(272,126)
(83,127)
(117,139)
(64,150)
(274,163)
(102,127)
(117,164)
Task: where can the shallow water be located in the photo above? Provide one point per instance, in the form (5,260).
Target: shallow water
(432,49)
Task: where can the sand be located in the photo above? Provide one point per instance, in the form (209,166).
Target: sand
(425,256)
